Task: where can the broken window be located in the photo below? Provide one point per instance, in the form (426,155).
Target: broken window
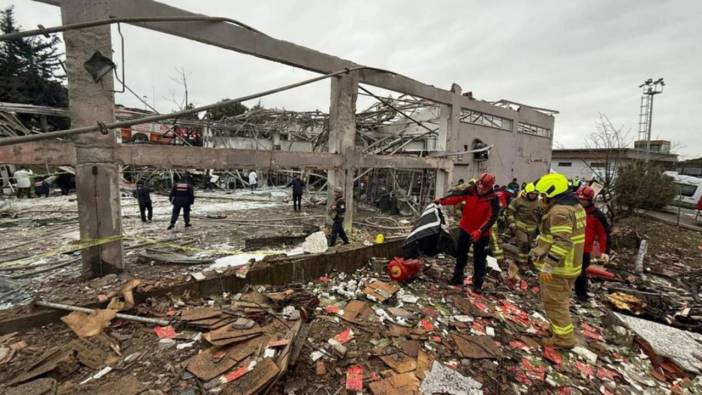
(481,119)
(482,155)
(533,130)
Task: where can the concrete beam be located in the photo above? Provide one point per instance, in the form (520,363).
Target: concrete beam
(39,153)
(183,157)
(169,156)
(236,38)
(97,176)
(342,139)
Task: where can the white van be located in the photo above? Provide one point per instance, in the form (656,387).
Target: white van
(690,189)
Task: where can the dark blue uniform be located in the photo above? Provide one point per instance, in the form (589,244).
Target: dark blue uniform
(41,188)
(182,196)
(339,209)
(143,195)
(297,186)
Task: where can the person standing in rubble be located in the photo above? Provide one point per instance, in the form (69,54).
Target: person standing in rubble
(336,212)
(182,197)
(253,180)
(143,195)
(479,214)
(558,254)
(496,250)
(298,185)
(596,227)
(23,178)
(524,216)
(514,186)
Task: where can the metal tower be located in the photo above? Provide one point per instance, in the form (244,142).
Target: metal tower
(650,89)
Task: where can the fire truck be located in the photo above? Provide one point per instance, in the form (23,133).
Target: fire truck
(175,132)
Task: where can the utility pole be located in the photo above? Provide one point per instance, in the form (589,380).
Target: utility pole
(650,89)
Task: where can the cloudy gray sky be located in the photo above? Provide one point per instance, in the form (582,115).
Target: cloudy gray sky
(581,58)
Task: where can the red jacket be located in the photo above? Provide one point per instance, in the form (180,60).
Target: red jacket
(479,212)
(596,227)
(504,198)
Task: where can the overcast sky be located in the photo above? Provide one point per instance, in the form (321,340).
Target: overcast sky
(580,58)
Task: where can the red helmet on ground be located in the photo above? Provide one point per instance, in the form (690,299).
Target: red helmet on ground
(486,180)
(585,193)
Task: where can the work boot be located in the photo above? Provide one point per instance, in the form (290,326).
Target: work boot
(187,225)
(170,226)
(558,342)
(457,279)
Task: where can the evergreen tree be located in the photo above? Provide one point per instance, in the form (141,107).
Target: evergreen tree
(30,68)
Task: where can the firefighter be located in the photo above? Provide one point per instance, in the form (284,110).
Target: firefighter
(558,254)
(336,212)
(458,209)
(182,197)
(523,216)
(143,195)
(479,214)
(495,242)
(596,227)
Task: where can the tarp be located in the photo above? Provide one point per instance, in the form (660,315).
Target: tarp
(430,235)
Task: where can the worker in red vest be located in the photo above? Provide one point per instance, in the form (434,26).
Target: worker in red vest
(479,214)
(597,227)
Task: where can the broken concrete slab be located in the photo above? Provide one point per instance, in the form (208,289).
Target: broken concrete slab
(443,380)
(678,345)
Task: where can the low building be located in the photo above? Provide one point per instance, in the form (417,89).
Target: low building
(691,167)
(587,163)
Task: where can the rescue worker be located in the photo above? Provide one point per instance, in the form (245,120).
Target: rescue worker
(336,212)
(523,216)
(495,242)
(23,177)
(182,197)
(596,227)
(253,180)
(143,195)
(41,187)
(458,209)
(558,254)
(479,214)
(297,187)
(514,185)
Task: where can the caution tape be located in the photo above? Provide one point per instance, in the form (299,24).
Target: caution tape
(70,247)
(88,243)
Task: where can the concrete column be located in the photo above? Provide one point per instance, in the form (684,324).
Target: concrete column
(447,140)
(342,139)
(97,176)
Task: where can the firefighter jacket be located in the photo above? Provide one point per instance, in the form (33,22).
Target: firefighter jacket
(182,194)
(525,213)
(561,238)
(479,212)
(597,228)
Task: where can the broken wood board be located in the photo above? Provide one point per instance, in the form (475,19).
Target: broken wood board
(399,384)
(379,291)
(198,314)
(264,373)
(357,310)
(85,325)
(476,347)
(400,362)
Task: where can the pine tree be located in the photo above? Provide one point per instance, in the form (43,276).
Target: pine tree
(30,68)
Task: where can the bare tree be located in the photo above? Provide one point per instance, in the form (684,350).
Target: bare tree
(181,78)
(610,141)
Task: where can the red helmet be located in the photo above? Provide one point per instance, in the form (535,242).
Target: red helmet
(487,180)
(585,193)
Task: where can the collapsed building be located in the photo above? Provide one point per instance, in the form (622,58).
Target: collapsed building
(255,319)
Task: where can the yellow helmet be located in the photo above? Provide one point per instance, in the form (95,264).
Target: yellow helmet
(552,185)
(529,188)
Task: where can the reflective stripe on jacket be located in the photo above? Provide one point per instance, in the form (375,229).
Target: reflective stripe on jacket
(525,213)
(561,238)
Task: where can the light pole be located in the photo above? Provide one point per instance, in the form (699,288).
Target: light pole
(650,89)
